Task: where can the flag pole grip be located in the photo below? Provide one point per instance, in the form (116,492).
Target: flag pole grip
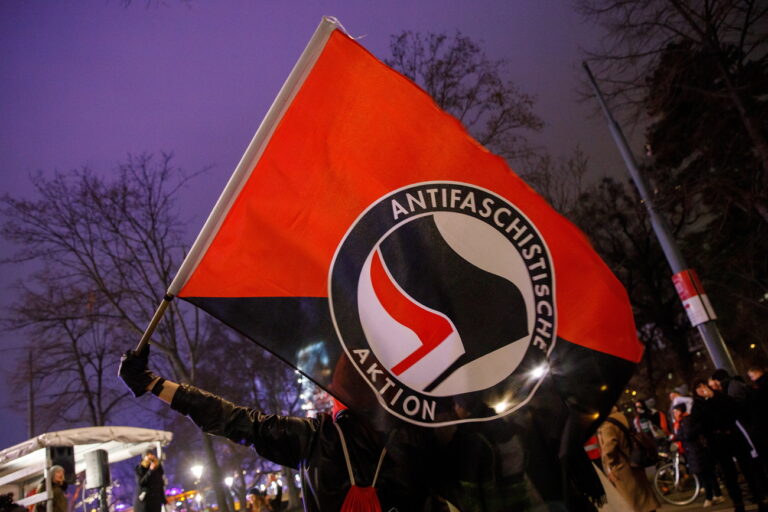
(159,312)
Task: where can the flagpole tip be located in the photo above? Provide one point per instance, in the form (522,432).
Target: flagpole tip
(333,20)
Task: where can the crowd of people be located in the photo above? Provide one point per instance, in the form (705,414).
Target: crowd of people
(722,430)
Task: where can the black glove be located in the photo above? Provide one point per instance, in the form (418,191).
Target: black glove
(134,372)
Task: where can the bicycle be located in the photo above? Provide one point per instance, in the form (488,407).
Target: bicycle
(673,482)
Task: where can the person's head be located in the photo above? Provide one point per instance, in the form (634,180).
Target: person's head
(715,385)
(150,456)
(255,496)
(755,372)
(678,411)
(57,475)
(673,395)
(465,406)
(720,375)
(639,406)
(702,389)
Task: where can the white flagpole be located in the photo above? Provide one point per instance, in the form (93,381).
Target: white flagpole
(243,170)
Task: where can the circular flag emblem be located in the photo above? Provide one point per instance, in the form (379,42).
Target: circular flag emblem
(442,295)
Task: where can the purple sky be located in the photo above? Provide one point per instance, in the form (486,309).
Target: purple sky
(85,82)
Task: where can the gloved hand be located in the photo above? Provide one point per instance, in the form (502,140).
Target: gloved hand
(134,372)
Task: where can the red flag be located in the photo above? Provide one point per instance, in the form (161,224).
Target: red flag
(366,221)
(370,242)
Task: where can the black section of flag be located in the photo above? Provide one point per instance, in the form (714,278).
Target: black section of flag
(298,330)
(542,435)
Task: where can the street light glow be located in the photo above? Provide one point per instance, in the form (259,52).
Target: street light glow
(197,471)
(228,481)
(539,371)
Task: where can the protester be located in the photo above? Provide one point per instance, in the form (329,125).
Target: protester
(487,455)
(630,482)
(59,486)
(716,412)
(150,484)
(678,396)
(8,505)
(735,388)
(336,457)
(758,408)
(651,422)
(697,456)
(258,501)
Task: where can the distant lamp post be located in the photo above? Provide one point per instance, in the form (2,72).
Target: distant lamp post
(228,481)
(197,471)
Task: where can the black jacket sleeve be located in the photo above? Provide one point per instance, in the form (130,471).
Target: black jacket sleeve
(284,440)
(142,475)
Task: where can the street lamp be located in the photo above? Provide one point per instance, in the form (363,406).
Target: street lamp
(228,481)
(197,472)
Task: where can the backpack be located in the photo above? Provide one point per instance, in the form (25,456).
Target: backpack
(643,451)
(361,499)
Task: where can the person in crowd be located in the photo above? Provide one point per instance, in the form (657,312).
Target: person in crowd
(344,463)
(258,501)
(716,413)
(758,408)
(697,456)
(488,455)
(150,484)
(678,396)
(614,448)
(8,505)
(737,389)
(651,422)
(59,484)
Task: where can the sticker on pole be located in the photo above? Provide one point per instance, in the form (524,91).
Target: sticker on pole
(695,301)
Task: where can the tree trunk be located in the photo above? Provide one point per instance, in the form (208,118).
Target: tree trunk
(294,502)
(215,474)
(242,490)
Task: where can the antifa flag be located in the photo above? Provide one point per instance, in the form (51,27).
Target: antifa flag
(368,241)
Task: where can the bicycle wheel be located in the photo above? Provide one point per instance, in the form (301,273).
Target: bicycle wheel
(676,486)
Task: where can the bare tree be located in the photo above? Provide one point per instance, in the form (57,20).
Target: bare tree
(732,33)
(121,241)
(72,358)
(263,382)
(559,181)
(464,82)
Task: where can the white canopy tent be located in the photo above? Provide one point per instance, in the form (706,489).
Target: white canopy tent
(25,463)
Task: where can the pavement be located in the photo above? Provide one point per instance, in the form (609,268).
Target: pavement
(698,505)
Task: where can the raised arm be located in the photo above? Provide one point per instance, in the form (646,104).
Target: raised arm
(281,439)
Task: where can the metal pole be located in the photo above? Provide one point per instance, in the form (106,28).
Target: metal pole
(103,499)
(48,481)
(708,330)
(30,398)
